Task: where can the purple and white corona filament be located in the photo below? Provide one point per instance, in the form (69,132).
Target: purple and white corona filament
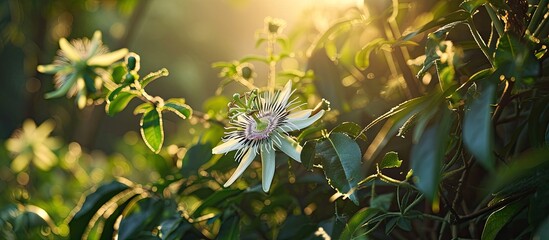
(261,126)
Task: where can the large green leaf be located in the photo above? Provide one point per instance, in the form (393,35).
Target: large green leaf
(477,126)
(195,157)
(152,130)
(427,155)
(350,128)
(357,221)
(341,160)
(498,219)
(119,102)
(79,222)
(308,154)
(515,59)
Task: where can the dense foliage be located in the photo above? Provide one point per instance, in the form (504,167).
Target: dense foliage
(385,125)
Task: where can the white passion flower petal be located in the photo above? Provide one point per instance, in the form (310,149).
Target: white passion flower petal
(267,166)
(107,58)
(303,123)
(299,115)
(244,163)
(70,52)
(230,145)
(289,146)
(285,94)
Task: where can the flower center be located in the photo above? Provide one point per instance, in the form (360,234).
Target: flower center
(261,127)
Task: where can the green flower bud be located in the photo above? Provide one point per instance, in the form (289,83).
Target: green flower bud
(245,70)
(129,78)
(274,25)
(133,62)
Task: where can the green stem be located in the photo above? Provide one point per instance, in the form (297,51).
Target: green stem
(479,40)
(540,11)
(414,203)
(495,19)
(272,63)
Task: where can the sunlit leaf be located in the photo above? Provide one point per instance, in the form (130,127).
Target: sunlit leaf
(153,76)
(178,106)
(362,57)
(498,219)
(433,42)
(143,108)
(152,130)
(91,204)
(350,128)
(390,160)
(356,222)
(472,5)
(146,216)
(341,161)
(452,18)
(109,226)
(119,103)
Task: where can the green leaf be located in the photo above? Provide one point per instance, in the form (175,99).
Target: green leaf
(109,232)
(308,154)
(216,200)
(356,222)
(178,106)
(362,57)
(542,231)
(427,155)
(390,160)
(498,219)
(539,206)
(515,59)
(477,126)
(119,103)
(252,58)
(230,228)
(433,43)
(452,18)
(382,202)
(297,227)
(93,202)
(143,108)
(153,76)
(337,27)
(341,161)
(152,130)
(145,217)
(195,157)
(350,128)
(118,73)
(472,5)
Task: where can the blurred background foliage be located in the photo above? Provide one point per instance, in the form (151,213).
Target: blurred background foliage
(52,154)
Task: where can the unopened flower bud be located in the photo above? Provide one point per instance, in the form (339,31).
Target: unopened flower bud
(274,25)
(322,105)
(132,62)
